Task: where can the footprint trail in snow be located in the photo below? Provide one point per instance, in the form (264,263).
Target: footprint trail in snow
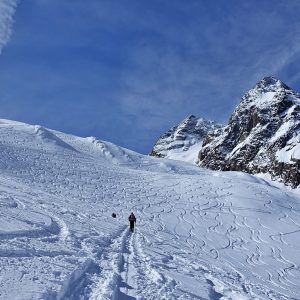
(199,235)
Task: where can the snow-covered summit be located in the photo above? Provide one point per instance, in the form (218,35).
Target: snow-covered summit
(270,84)
(268,91)
(183,141)
(263,134)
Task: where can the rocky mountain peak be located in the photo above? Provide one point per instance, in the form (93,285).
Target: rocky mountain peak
(190,117)
(187,123)
(270,84)
(262,136)
(268,92)
(183,141)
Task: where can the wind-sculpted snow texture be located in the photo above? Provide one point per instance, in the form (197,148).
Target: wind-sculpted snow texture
(200,234)
(184,141)
(263,135)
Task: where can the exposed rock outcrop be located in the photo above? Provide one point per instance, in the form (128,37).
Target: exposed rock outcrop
(262,136)
(184,141)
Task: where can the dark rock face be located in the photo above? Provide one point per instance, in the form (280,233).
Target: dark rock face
(183,142)
(262,136)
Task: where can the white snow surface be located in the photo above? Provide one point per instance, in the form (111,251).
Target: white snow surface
(184,141)
(199,234)
(190,155)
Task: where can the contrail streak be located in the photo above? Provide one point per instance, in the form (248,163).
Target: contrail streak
(7,10)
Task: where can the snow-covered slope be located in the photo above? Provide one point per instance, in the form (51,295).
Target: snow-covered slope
(200,234)
(263,135)
(183,142)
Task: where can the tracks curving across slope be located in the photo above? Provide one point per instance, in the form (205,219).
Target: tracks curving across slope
(125,272)
(200,235)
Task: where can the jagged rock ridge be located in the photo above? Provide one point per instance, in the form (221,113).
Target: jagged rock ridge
(262,136)
(183,142)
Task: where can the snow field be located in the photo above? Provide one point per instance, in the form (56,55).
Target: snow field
(199,234)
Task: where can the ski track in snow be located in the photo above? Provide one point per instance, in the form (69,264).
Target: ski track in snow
(199,234)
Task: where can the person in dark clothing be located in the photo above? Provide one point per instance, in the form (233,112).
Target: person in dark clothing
(132,220)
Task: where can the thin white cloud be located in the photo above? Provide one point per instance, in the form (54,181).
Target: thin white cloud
(7,10)
(217,67)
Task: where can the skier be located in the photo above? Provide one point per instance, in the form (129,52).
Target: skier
(132,220)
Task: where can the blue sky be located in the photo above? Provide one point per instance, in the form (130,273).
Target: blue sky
(126,71)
